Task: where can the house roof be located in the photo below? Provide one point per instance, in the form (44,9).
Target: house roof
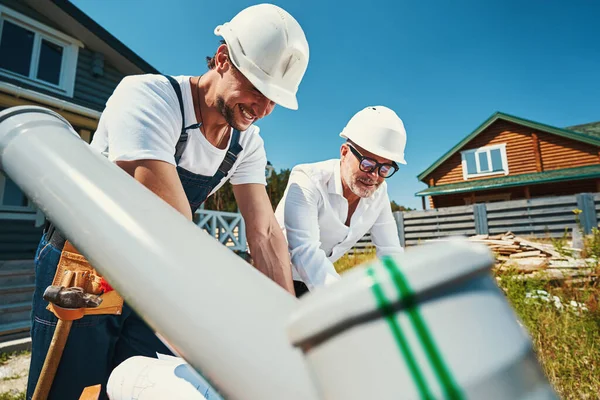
(76,23)
(585,137)
(590,129)
(567,174)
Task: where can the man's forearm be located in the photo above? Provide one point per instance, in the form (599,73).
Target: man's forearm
(270,254)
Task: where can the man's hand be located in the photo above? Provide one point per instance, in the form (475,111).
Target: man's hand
(267,244)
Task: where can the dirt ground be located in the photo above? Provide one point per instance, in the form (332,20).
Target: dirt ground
(13,373)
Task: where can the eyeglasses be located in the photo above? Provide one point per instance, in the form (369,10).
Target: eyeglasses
(367,164)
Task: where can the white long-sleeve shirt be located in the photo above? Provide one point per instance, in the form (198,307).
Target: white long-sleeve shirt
(312,215)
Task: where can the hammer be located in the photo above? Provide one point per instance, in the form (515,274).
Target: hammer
(68,304)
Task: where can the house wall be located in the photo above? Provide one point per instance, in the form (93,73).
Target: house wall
(558,152)
(555,152)
(91,90)
(516,193)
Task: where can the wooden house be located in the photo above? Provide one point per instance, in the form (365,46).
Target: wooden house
(55,56)
(509,158)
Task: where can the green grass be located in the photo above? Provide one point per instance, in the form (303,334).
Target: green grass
(567,342)
(12,396)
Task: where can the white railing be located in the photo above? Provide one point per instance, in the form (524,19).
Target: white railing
(214,309)
(227,227)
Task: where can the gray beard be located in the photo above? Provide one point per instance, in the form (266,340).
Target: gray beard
(228,113)
(351,181)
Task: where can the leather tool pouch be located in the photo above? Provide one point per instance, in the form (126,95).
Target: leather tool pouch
(74,270)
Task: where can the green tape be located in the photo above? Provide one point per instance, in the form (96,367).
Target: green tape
(449,385)
(390,316)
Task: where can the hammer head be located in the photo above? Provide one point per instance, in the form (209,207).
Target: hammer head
(72,297)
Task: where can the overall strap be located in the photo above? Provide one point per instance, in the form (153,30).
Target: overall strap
(183,137)
(232,153)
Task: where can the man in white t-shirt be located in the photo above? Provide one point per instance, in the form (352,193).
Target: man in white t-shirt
(183,138)
(329,206)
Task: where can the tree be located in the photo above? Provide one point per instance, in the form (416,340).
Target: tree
(397,207)
(224,200)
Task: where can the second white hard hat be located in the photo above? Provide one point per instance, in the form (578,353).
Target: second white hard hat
(269,48)
(378,130)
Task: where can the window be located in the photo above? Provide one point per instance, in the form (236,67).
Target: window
(489,160)
(37,54)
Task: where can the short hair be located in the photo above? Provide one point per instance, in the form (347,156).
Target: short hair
(210,61)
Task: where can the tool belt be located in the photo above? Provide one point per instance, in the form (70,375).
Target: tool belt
(74,270)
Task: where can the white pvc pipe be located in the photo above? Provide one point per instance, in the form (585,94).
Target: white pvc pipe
(223,316)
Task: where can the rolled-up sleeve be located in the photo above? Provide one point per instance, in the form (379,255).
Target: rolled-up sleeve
(384,233)
(301,221)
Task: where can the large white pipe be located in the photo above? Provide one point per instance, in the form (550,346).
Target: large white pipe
(224,317)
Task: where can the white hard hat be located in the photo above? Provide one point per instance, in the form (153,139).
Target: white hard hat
(268,46)
(378,130)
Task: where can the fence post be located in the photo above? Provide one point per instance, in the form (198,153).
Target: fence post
(399,217)
(480,215)
(587,218)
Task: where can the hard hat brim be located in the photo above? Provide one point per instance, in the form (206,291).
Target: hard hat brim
(381,152)
(274,93)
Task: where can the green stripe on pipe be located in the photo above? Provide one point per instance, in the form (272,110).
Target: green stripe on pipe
(390,316)
(449,385)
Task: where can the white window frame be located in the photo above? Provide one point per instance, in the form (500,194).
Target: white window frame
(70,47)
(484,149)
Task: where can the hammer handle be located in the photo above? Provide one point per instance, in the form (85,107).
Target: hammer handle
(55,351)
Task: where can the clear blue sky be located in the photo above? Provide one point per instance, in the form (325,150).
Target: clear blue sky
(443,66)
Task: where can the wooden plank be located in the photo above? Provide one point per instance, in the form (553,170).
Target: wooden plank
(567,219)
(436,227)
(441,220)
(526,213)
(539,202)
(528,264)
(554,231)
(524,254)
(427,235)
(538,246)
(439,211)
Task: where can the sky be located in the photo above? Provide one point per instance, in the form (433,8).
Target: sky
(443,66)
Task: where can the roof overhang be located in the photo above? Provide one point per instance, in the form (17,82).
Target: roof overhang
(560,175)
(77,24)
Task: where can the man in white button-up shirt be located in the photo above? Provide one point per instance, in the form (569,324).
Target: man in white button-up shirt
(329,206)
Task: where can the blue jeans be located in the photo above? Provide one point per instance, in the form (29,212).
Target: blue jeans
(96,343)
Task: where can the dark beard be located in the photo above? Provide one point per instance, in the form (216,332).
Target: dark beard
(227,113)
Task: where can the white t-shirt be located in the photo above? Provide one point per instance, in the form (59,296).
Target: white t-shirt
(142,121)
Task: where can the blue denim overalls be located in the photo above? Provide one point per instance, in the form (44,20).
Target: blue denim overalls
(98,343)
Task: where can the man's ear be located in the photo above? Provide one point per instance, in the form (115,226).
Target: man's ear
(343,150)
(222,60)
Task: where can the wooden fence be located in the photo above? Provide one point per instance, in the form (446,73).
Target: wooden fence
(541,217)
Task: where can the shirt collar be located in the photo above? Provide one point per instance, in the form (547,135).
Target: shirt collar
(335,183)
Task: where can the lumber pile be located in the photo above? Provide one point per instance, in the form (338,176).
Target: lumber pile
(526,256)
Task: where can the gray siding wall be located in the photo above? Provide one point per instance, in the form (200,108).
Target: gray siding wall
(18,239)
(91,89)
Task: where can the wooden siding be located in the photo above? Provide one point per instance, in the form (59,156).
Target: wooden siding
(519,152)
(517,193)
(90,89)
(18,239)
(558,152)
(555,152)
